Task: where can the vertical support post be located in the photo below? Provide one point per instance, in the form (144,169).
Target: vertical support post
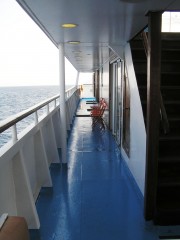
(54,103)
(97,85)
(77,79)
(153,112)
(62,103)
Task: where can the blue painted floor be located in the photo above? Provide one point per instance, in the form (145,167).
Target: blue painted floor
(94,197)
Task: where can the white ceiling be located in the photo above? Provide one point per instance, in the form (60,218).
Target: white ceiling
(102,24)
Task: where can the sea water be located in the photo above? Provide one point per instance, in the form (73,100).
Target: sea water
(16,99)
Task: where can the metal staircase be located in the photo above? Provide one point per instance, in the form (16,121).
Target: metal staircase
(167,210)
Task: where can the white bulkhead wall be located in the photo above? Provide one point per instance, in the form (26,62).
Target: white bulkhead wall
(137,156)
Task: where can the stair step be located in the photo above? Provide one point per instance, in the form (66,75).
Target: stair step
(168,196)
(169,147)
(168,187)
(174,125)
(169,177)
(139,53)
(166,216)
(170,65)
(169,159)
(172,108)
(170,78)
(170,87)
(170,183)
(164,88)
(171,93)
(169,36)
(169,137)
(140,66)
(171,153)
(171,54)
(167,66)
(137,44)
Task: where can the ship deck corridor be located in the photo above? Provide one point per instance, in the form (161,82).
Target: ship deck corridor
(93,197)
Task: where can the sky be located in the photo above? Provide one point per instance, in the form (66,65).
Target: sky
(171,22)
(27,56)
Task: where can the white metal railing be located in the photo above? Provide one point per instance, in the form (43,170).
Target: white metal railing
(25,161)
(14,119)
(69,92)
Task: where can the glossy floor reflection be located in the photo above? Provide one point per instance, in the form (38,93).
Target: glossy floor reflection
(94,197)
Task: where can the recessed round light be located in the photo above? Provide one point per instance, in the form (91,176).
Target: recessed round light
(132,1)
(69,25)
(73,42)
(78,52)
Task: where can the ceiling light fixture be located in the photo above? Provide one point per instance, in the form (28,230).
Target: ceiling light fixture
(69,25)
(73,42)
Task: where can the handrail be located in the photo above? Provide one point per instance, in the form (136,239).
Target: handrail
(145,42)
(69,92)
(12,120)
(164,118)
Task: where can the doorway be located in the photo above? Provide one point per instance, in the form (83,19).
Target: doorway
(116,73)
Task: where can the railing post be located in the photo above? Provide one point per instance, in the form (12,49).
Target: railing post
(36,118)
(54,103)
(62,103)
(14,133)
(47,108)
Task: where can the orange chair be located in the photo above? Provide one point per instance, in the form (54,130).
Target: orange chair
(102,100)
(97,113)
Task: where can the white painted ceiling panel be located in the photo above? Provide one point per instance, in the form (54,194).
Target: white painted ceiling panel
(101,24)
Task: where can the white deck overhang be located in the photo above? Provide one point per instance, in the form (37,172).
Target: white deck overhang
(102,25)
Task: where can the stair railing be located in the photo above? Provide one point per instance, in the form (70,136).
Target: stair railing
(163,114)
(145,42)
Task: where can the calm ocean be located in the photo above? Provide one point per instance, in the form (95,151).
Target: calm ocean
(16,99)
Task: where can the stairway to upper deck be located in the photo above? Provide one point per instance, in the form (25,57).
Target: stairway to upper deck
(168,191)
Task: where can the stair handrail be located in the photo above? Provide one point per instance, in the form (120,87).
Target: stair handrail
(164,118)
(145,42)
(163,114)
